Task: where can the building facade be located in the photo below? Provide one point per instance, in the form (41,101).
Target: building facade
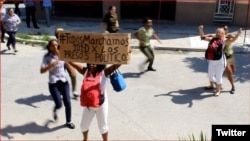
(235,12)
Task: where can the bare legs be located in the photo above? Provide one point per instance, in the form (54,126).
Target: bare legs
(218,89)
(85,136)
(105,136)
(230,69)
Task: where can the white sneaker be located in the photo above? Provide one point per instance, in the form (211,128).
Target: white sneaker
(75,94)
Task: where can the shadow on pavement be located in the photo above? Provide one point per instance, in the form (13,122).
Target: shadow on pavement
(31,127)
(133,74)
(197,64)
(242,68)
(187,96)
(241,61)
(7,52)
(33,99)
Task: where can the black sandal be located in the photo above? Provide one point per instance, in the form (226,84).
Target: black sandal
(209,88)
(232,91)
(70,125)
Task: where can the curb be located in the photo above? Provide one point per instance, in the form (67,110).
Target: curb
(244,49)
(241,49)
(24,41)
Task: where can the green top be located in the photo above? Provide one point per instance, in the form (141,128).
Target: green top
(228,47)
(229,50)
(145,35)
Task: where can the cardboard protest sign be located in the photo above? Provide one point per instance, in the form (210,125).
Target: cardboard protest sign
(94,48)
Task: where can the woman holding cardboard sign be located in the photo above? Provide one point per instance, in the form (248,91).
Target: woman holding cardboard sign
(93,96)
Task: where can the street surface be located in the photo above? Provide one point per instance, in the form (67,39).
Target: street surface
(162,105)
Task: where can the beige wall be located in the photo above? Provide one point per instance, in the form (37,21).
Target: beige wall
(240,14)
(203,12)
(195,12)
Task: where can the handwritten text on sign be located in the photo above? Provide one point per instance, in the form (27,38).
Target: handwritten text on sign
(98,48)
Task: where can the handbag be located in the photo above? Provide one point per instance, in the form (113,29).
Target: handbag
(117,81)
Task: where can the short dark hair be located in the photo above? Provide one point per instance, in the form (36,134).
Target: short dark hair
(225,27)
(99,67)
(110,7)
(145,20)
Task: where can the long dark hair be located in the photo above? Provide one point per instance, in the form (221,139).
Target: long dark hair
(49,44)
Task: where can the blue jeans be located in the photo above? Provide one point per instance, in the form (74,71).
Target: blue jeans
(47,15)
(12,39)
(57,90)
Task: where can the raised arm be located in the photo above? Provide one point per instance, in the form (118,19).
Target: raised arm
(77,66)
(202,34)
(234,38)
(109,70)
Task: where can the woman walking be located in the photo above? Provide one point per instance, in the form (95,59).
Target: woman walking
(2,14)
(58,83)
(10,23)
(110,22)
(144,34)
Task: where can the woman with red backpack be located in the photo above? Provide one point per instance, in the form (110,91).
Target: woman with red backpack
(93,96)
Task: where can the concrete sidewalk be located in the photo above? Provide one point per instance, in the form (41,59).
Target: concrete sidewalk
(173,36)
(161,105)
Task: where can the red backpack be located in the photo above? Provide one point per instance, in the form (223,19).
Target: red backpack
(91,91)
(215,49)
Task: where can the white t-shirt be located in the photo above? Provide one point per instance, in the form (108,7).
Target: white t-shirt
(10,22)
(58,72)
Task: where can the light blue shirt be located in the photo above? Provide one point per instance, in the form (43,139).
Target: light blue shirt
(58,72)
(47,3)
